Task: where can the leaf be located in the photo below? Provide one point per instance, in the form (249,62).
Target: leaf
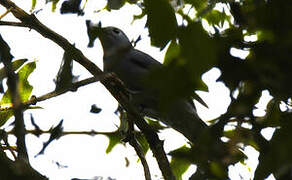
(139,16)
(65,76)
(276,158)
(200,85)
(114,139)
(71,6)
(196,97)
(216,17)
(198,4)
(15,65)
(161,22)
(5,115)
(54,5)
(33,4)
(155,125)
(179,167)
(180,161)
(55,134)
(95,109)
(273,114)
(25,90)
(173,51)
(115,4)
(92,31)
(218,171)
(143,142)
(197,48)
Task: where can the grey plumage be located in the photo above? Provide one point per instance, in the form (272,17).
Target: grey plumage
(132,67)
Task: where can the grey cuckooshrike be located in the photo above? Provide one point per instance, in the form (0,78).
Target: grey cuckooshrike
(132,66)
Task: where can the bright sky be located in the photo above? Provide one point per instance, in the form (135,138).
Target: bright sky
(85,155)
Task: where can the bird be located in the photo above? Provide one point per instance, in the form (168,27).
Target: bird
(133,66)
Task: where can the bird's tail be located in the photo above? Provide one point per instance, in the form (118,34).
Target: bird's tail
(182,116)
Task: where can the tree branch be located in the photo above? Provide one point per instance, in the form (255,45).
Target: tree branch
(12,82)
(17,169)
(113,84)
(134,143)
(34,100)
(74,86)
(90,133)
(9,23)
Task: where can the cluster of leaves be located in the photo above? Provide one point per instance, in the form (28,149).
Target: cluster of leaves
(25,88)
(193,51)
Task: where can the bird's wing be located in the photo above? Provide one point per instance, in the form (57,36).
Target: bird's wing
(143,60)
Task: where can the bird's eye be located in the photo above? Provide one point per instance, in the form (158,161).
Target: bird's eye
(115,30)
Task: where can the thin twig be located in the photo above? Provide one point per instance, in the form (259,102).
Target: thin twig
(4,137)
(34,100)
(90,133)
(133,142)
(9,23)
(74,86)
(6,12)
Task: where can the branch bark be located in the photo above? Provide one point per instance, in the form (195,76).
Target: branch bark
(17,170)
(114,85)
(9,23)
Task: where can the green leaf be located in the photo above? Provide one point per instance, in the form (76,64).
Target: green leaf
(198,4)
(218,170)
(114,139)
(216,17)
(155,125)
(173,51)
(33,4)
(197,48)
(143,142)
(179,167)
(180,161)
(161,22)
(273,114)
(5,115)
(241,135)
(139,16)
(276,157)
(200,85)
(196,97)
(15,65)
(54,5)
(115,4)
(25,89)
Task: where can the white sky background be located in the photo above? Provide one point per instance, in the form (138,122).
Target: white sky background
(85,155)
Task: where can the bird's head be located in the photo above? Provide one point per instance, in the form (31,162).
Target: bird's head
(112,40)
